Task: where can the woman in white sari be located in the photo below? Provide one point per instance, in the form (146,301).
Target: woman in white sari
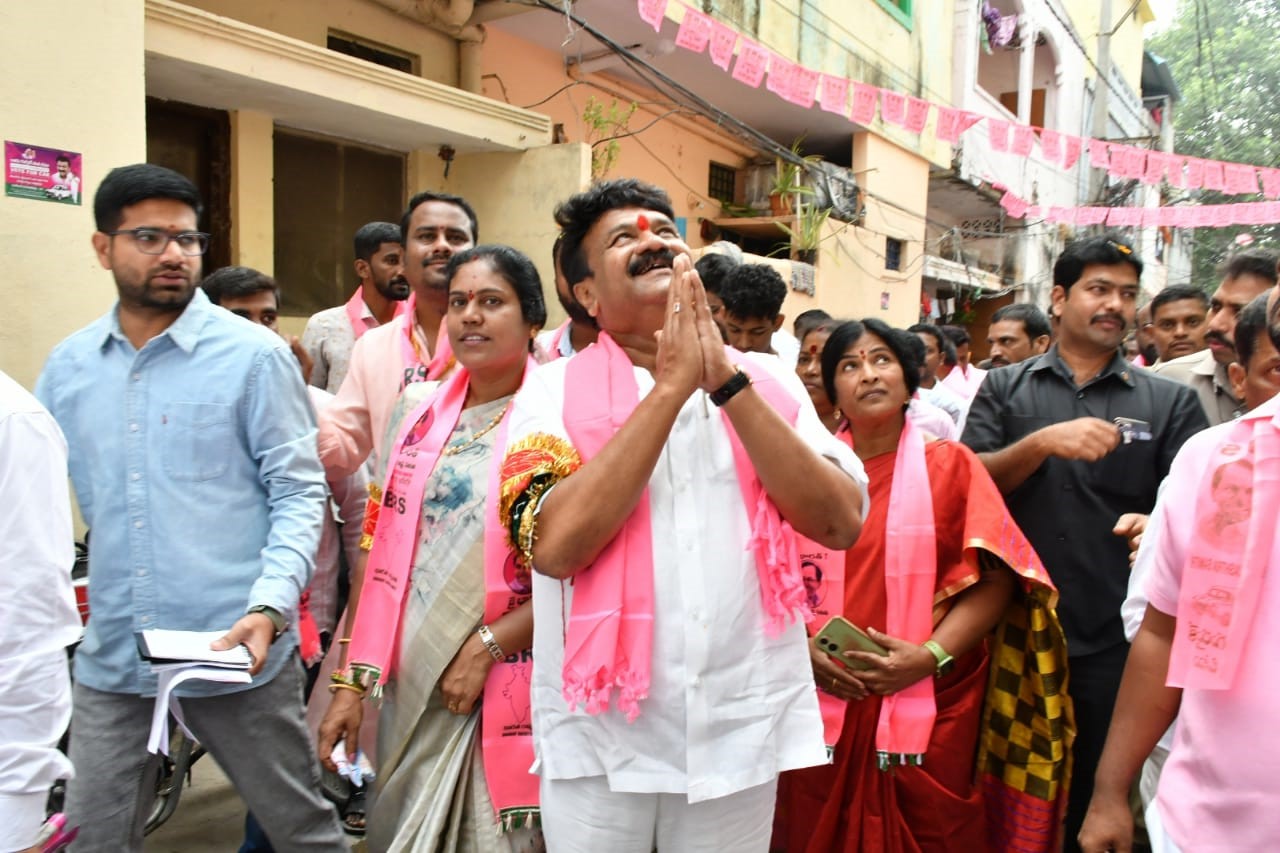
(444,620)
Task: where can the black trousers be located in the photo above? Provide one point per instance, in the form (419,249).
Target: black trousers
(1095,680)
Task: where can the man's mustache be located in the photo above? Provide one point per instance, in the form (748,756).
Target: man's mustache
(1215,335)
(649,260)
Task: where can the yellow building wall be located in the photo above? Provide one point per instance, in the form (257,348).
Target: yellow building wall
(1126,42)
(69,79)
(311,20)
(860,40)
(672,153)
(851,278)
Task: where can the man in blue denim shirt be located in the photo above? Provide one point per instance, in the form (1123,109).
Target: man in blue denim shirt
(193,456)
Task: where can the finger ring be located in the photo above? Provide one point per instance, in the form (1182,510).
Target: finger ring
(833,684)
(675,309)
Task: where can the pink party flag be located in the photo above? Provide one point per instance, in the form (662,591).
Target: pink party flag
(1135,163)
(998,133)
(1223,215)
(1154,174)
(1071,148)
(1116,160)
(1098,155)
(1240,178)
(917,114)
(864,103)
(1023,138)
(949,128)
(1205,216)
(1195,173)
(1270,212)
(1213,177)
(1051,145)
(782,74)
(1094,216)
(803,86)
(1015,206)
(893,107)
(652,12)
(1150,217)
(723,40)
(1174,168)
(1114,216)
(695,31)
(833,93)
(751,64)
(1270,182)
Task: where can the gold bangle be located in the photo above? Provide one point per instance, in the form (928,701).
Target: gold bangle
(338,685)
(342,641)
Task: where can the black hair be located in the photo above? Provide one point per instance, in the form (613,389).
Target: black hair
(910,356)
(62,158)
(754,292)
(425,196)
(1251,322)
(235,282)
(1034,321)
(578,315)
(1259,262)
(515,268)
(372,235)
(577,214)
(958,335)
(125,186)
(826,325)
(1109,250)
(714,269)
(945,347)
(806,321)
(1177,293)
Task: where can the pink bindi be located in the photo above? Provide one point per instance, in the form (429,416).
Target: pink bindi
(642,222)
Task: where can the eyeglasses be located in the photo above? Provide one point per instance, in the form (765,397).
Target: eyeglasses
(154,241)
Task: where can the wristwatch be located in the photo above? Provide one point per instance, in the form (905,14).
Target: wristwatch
(276,617)
(946,662)
(725,392)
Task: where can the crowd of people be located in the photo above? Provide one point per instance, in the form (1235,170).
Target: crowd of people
(666,576)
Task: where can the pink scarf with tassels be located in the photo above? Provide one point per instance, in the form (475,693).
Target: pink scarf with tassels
(911,569)
(609,635)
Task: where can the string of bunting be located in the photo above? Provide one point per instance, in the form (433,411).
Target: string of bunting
(859,102)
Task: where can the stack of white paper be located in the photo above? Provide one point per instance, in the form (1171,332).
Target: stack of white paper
(178,656)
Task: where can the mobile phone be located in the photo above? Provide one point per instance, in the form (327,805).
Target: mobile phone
(840,635)
(1132,429)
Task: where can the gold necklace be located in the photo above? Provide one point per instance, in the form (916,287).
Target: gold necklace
(455,449)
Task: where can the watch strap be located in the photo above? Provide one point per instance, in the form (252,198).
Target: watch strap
(725,392)
(941,655)
(276,617)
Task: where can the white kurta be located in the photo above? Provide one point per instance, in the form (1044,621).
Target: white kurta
(729,707)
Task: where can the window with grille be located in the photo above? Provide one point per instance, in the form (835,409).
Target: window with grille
(892,254)
(720,182)
(899,10)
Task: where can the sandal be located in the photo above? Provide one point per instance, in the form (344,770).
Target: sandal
(353,817)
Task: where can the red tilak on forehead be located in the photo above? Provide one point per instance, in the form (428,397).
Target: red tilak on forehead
(471,294)
(642,222)
(813,349)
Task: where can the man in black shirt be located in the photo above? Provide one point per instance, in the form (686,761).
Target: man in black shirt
(1075,438)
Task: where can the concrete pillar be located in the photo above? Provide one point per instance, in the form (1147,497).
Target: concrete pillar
(252,190)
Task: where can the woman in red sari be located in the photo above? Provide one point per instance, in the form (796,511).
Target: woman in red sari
(933,752)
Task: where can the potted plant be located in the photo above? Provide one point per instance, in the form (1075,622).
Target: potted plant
(788,181)
(806,234)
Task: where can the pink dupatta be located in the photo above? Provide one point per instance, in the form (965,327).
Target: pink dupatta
(911,570)
(1229,553)
(415,370)
(355,312)
(506,732)
(609,633)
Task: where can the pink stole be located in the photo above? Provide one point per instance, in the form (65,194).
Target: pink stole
(911,573)
(506,732)
(1228,555)
(355,314)
(609,634)
(441,360)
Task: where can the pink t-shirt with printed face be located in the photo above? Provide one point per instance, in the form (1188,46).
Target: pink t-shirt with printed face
(1220,789)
